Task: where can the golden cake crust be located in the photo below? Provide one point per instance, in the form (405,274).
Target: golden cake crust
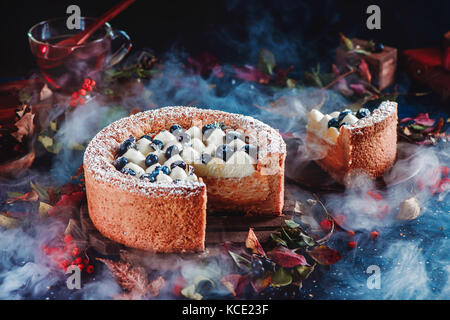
(169,217)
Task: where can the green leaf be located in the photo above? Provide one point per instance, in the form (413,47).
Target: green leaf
(8,222)
(41,191)
(266,61)
(418,127)
(281,278)
(362,51)
(278,239)
(291,224)
(304,271)
(240,261)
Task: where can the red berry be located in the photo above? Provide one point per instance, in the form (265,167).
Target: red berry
(351,233)
(78,260)
(325,224)
(76,251)
(75,95)
(87,81)
(80,266)
(86,261)
(89,88)
(93,83)
(352,244)
(90,269)
(68,239)
(179,284)
(445,171)
(82,92)
(374,234)
(73,103)
(81,101)
(86,86)
(340,219)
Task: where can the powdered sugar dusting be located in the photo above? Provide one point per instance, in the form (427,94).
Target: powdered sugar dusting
(385,109)
(101,151)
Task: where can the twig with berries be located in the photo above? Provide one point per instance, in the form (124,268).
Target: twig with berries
(79,97)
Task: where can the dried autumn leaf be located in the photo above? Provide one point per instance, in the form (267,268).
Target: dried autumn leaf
(285,257)
(27,197)
(25,127)
(409,209)
(8,222)
(253,244)
(67,202)
(364,71)
(324,255)
(235,283)
(346,42)
(133,280)
(260,284)
(421,118)
(251,73)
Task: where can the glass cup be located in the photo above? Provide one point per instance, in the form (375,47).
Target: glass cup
(66,66)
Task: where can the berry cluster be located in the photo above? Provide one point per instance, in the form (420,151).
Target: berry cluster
(79,97)
(260,265)
(67,255)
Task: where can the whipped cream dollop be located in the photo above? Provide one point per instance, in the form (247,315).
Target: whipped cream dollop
(180,155)
(328,126)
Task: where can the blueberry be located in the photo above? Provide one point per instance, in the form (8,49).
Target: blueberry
(171,151)
(157,145)
(224,152)
(268,265)
(378,47)
(174,128)
(128,171)
(156,171)
(251,150)
(206,158)
(146,137)
(343,114)
(151,159)
(119,163)
(207,127)
(178,163)
(257,263)
(183,137)
(149,177)
(165,170)
(333,123)
(127,144)
(232,135)
(363,112)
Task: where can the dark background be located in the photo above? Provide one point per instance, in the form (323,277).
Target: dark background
(299,32)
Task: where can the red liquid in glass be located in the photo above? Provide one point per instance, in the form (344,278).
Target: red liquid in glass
(65,69)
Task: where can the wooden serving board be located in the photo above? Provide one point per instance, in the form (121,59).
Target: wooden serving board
(219,229)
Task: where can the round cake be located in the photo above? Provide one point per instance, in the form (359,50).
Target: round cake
(150,177)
